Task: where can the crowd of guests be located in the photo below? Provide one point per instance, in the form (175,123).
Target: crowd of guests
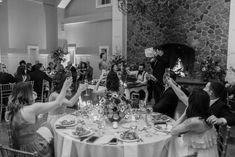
(205,108)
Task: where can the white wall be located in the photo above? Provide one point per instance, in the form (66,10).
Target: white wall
(231,41)
(88,37)
(27,24)
(84,7)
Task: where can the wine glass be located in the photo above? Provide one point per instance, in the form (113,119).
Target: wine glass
(86,84)
(101,124)
(148,119)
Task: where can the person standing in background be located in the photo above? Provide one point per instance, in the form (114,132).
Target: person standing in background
(34,66)
(29,68)
(89,71)
(73,71)
(22,64)
(158,65)
(103,64)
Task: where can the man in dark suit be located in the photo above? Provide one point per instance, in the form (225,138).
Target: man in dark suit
(38,76)
(168,101)
(220,112)
(5,78)
(158,65)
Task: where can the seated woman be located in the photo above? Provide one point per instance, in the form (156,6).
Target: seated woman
(198,135)
(23,112)
(60,110)
(112,83)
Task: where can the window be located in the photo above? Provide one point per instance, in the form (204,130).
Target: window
(103,3)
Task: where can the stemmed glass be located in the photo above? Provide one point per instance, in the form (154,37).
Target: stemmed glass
(148,119)
(86,84)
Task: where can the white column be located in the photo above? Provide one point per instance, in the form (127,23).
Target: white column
(119,27)
(231,39)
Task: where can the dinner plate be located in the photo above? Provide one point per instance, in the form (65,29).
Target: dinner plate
(86,135)
(68,125)
(126,140)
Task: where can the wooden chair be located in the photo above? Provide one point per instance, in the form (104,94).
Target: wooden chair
(10,152)
(222,139)
(192,155)
(5,92)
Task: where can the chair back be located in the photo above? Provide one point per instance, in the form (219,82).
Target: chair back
(10,152)
(222,139)
(10,135)
(5,92)
(192,155)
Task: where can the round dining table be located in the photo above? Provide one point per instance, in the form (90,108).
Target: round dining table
(152,139)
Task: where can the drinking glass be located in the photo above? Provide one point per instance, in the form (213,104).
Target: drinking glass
(86,84)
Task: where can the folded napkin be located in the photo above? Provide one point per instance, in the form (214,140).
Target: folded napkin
(67,146)
(104,139)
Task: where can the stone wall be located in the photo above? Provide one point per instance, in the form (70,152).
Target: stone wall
(201,24)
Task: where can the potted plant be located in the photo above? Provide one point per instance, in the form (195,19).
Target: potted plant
(211,69)
(58,55)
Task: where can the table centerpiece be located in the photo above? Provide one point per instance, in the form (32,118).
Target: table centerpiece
(115,107)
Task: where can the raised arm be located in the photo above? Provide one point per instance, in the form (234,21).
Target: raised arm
(96,90)
(181,95)
(75,98)
(40,108)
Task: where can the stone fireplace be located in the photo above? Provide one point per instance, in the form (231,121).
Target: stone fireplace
(180,54)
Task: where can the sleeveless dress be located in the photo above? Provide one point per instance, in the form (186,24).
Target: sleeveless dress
(199,138)
(26,138)
(204,143)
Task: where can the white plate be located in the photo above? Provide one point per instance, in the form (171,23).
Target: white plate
(67,125)
(129,141)
(77,136)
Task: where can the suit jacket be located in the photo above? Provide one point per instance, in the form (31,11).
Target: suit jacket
(74,73)
(158,67)
(6,78)
(38,76)
(167,103)
(220,109)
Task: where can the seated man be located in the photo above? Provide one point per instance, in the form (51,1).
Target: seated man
(141,74)
(220,112)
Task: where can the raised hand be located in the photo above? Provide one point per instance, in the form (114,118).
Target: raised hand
(103,76)
(67,83)
(82,87)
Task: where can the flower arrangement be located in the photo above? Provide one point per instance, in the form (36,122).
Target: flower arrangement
(211,69)
(117,59)
(58,55)
(115,106)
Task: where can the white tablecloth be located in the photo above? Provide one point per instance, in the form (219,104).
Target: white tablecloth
(152,146)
